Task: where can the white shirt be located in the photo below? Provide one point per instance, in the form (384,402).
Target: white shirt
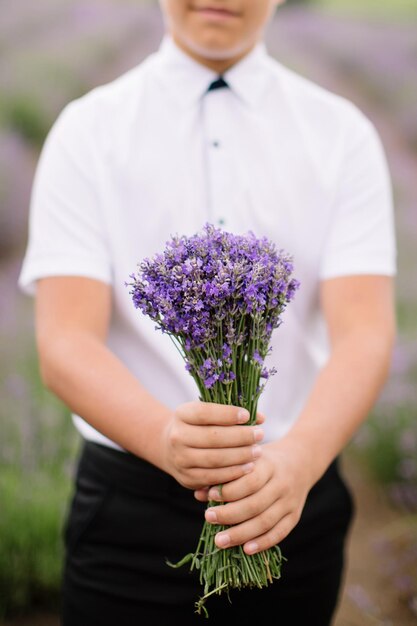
(150,154)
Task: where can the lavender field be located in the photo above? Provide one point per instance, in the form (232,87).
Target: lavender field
(56,50)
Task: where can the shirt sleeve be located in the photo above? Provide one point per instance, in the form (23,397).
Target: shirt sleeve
(66,233)
(361,237)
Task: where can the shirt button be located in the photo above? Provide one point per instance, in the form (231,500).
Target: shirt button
(215,144)
(221,221)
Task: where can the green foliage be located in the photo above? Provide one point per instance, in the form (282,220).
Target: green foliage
(389,9)
(31,549)
(387,442)
(37,453)
(406,311)
(23,113)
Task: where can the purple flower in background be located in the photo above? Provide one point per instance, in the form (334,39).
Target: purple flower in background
(219,296)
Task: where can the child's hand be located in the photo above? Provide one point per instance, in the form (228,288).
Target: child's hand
(263,507)
(208,444)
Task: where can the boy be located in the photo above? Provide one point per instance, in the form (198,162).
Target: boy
(209,128)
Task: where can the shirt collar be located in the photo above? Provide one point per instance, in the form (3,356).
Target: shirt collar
(188,79)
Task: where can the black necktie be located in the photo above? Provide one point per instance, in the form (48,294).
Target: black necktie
(217,84)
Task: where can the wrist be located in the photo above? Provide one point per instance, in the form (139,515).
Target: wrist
(302,448)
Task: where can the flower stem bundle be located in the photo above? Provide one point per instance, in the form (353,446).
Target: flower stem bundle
(219,296)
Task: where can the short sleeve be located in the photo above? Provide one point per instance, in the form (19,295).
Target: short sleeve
(361,237)
(66,232)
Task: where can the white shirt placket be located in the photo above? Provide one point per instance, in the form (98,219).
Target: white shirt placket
(217,157)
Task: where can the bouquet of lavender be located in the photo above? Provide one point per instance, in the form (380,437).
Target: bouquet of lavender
(219,297)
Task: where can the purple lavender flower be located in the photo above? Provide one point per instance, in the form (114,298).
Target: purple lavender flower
(257,357)
(219,296)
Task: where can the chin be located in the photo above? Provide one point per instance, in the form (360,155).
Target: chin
(215,50)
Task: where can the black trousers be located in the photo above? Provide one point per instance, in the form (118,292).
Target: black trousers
(126,518)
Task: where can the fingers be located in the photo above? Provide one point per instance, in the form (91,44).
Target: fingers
(204,413)
(202,494)
(208,444)
(240,511)
(261,532)
(219,458)
(251,545)
(258,521)
(197,479)
(212,445)
(242,487)
(195,468)
(220,437)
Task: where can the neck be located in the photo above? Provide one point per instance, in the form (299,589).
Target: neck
(217,65)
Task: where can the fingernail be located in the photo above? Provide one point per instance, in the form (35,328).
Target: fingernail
(251,547)
(214,493)
(243,416)
(248,467)
(211,515)
(222,541)
(258,434)
(256,452)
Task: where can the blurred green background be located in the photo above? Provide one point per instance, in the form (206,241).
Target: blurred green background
(54,51)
